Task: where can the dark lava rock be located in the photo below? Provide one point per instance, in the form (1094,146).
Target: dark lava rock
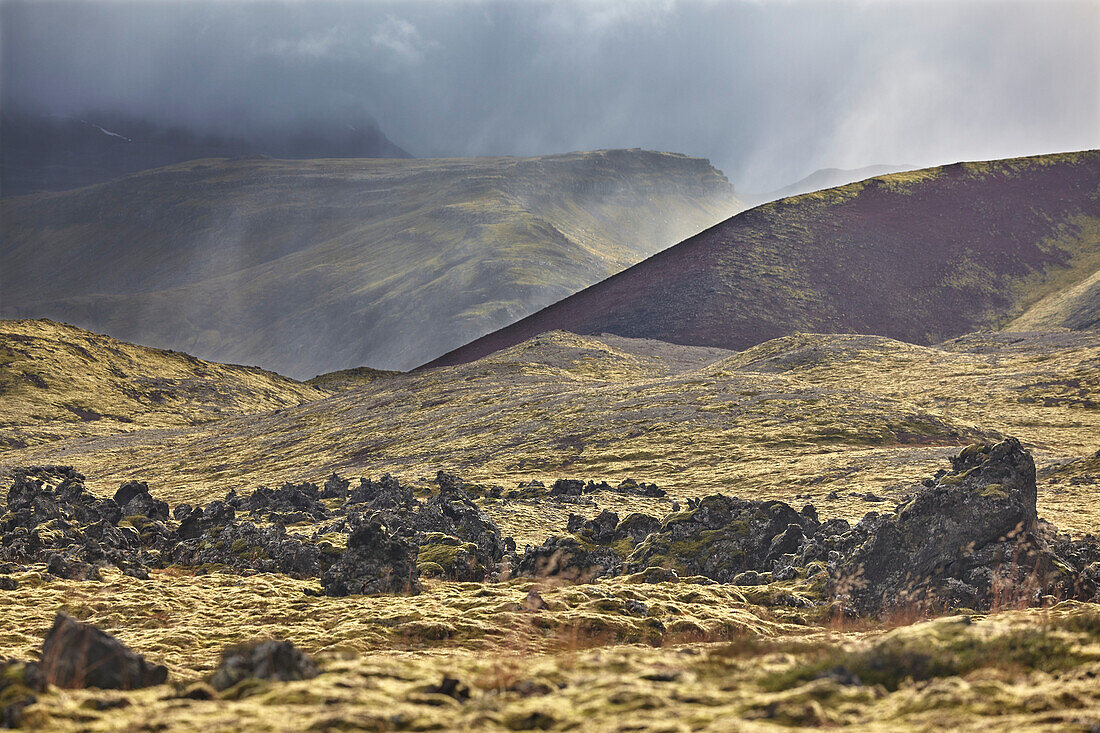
(71,569)
(606,529)
(567,558)
(719,537)
(242,545)
(335,488)
(636,488)
(280,661)
(133,498)
(387,494)
(19,683)
(376,561)
(198,522)
(450,687)
(52,519)
(973,534)
(567,487)
(535,602)
(77,654)
(302,501)
(455,537)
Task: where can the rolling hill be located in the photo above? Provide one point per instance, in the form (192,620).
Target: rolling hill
(920,256)
(804,414)
(58,381)
(311,266)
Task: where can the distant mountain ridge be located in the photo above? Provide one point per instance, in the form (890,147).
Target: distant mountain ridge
(54,153)
(919,256)
(313,266)
(821,179)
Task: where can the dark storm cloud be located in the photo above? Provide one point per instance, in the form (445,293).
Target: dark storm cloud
(769,91)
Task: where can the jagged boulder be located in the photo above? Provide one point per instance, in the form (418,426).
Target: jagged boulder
(376,561)
(280,661)
(76,654)
(289,503)
(133,498)
(335,487)
(385,494)
(198,522)
(567,558)
(970,535)
(720,537)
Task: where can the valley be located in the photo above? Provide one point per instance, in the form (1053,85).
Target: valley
(311,266)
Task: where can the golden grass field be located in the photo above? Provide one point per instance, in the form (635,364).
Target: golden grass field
(796,418)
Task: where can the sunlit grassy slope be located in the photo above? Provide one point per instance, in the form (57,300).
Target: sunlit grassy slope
(807,418)
(919,256)
(311,266)
(730,660)
(802,416)
(58,381)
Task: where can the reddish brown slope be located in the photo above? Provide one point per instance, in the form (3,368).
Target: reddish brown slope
(919,256)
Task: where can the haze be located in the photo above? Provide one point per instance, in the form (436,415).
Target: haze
(768,92)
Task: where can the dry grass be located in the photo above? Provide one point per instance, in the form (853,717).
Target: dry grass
(567,667)
(793,418)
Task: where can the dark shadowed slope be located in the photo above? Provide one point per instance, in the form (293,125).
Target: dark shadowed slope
(918,256)
(312,266)
(54,153)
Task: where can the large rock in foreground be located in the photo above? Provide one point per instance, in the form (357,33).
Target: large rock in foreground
(77,654)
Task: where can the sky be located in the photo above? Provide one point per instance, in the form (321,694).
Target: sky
(769,91)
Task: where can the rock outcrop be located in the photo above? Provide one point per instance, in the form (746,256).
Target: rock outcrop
(269,659)
(376,561)
(76,654)
(969,539)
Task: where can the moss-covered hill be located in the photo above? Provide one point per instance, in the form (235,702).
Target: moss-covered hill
(794,417)
(919,256)
(58,381)
(310,266)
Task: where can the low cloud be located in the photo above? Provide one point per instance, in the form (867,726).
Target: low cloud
(768,91)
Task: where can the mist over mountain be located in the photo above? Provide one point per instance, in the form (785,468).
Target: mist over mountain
(310,266)
(52,152)
(765,91)
(822,179)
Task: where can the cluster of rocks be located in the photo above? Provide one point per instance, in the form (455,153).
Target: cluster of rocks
(968,538)
(76,655)
(391,536)
(53,519)
(575,490)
